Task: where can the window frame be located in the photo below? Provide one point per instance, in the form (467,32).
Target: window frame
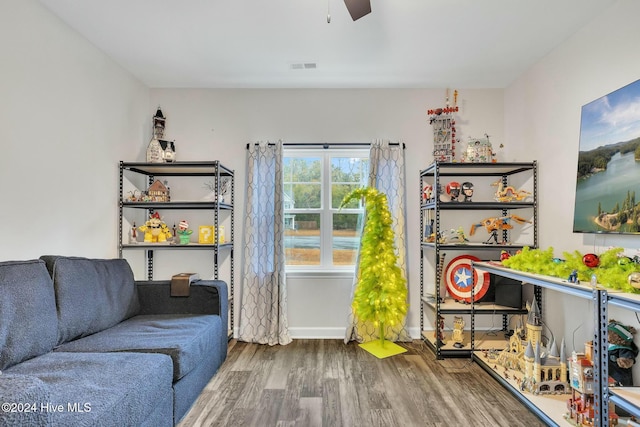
(326,210)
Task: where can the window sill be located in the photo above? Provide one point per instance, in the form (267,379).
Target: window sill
(308,273)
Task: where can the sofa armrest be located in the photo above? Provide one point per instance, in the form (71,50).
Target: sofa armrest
(22,397)
(205,297)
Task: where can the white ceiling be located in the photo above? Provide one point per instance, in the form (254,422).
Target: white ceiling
(253,43)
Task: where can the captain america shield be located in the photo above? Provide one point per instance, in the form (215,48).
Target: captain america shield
(460,277)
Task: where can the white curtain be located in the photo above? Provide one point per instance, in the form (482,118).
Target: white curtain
(263,313)
(387,174)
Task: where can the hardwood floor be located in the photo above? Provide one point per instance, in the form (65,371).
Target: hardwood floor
(328,383)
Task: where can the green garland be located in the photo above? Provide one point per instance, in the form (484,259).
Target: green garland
(612,271)
(381,293)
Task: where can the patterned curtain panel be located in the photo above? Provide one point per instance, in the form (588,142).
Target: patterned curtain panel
(263,314)
(387,174)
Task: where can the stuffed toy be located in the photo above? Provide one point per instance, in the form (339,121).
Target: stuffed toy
(622,352)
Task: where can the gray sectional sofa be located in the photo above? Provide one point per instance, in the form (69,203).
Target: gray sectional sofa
(83,344)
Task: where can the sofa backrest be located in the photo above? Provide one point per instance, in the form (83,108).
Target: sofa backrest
(91,294)
(28,321)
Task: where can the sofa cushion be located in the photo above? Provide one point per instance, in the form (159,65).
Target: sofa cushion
(28,322)
(106,389)
(187,338)
(23,394)
(91,294)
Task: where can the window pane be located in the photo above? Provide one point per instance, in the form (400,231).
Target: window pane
(302,239)
(338,191)
(347,174)
(345,237)
(302,182)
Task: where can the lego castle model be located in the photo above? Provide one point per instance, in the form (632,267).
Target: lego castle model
(544,369)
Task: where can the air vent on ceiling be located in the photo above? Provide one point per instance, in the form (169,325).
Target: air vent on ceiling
(304,66)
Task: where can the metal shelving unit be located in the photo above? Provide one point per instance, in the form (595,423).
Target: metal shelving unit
(433,210)
(210,169)
(627,398)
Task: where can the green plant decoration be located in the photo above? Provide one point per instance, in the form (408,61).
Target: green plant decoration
(612,271)
(381,291)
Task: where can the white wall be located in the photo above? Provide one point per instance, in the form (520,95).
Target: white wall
(542,120)
(67,115)
(218,124)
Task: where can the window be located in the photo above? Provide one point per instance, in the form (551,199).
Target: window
(318,234)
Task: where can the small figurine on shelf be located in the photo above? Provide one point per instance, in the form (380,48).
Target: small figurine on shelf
(495,224)
(453,190)
(458,236)
(458,332)
(439,332)
(622,352)
(183,232)
(467,191)
(427,193)
(133,236)
(573,277)
(508,193)
(155,230)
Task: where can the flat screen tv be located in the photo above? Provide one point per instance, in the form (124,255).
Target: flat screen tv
(608,178)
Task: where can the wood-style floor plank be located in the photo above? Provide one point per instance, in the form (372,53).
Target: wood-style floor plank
(326,383)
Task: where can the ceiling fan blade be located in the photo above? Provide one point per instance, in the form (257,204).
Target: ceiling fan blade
(358,8)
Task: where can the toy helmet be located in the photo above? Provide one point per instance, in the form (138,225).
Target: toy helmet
(453,186)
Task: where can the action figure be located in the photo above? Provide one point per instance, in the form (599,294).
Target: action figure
(183,232)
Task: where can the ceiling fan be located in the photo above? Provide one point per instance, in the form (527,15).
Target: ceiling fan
(358,8)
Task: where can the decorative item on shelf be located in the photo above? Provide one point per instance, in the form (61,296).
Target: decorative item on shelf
(508,193)
(581,377)
(133,235)
(154,150)
(184,234)
(428,231)
(458,332)
(453,191)
(543,367)
(206,234)
(225,186)
(591,260)
(479,150)
(444,129)
(622,352)
(158,192)
(634,280)
(427,193)
(438,334)
(573,277)
(155,230)
(467,191)
(461,277)
(456,235)
(504,255)
(495,224)
(609,272)
(168,150)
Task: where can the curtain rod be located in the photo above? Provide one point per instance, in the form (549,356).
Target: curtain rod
(327,145)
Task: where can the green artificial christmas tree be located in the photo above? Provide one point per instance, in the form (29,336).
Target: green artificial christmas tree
(381,292)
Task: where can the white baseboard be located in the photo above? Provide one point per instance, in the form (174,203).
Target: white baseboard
(317,333)
(328,333)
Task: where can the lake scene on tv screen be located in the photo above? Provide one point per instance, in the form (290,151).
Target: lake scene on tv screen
(608,176)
